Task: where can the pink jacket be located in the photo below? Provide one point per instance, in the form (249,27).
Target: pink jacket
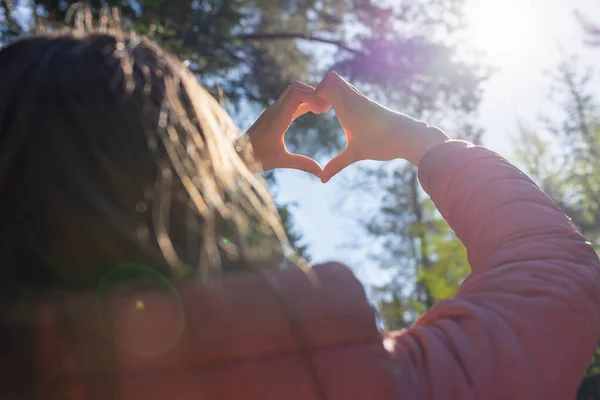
(524,324)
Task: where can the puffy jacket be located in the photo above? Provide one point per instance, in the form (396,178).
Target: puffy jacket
(524,324)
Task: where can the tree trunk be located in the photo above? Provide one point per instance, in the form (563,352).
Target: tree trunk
(424,261)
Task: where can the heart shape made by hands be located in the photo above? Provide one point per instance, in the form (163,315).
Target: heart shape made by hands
(267,133)
(373,132)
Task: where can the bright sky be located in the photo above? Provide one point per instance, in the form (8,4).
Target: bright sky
(524,40)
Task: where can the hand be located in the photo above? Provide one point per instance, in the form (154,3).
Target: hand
(267,133)
(373,132)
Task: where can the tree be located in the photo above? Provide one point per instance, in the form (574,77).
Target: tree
(562,159)
(250,50)
(424,259)
(240,50)
(415,247)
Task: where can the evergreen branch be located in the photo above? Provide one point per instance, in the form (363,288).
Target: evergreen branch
(8,8)
(300,36)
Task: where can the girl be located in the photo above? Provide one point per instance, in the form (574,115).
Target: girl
(124,197)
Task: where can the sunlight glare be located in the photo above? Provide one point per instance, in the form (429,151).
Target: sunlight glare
(503,30)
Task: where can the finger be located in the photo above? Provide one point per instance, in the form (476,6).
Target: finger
(318,105)
(302,85)
(299,91)
(298,85)
(297,95)
(302,163)
(330,88)
(301,110)
(341,161)
(335,90)
(283,96)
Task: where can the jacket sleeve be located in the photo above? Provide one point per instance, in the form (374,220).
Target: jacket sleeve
(525,323)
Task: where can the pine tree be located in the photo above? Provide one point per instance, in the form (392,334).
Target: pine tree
(415,247)
(562,158)
(250,50)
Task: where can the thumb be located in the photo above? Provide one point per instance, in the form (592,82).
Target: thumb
(339,162)
(334,91)
(330,90)
(302,163)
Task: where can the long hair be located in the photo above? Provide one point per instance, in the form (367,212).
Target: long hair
(112,153)
(110,150)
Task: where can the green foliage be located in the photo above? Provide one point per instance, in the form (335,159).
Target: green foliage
(415,247)
(590,387)
(237,48)
(206,33)
(425,262)
(250,50)
(450,265)
(563,155)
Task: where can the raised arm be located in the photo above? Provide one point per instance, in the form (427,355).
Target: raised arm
(525,323)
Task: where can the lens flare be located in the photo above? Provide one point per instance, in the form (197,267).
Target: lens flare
(140,310)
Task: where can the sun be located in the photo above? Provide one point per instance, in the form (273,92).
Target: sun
(504,30)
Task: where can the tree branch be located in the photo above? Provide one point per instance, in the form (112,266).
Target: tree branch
(8,8)
(300,36)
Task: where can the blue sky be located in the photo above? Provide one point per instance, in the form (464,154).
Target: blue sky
(524,39)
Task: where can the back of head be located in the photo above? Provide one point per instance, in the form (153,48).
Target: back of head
(112,155)
(111,152)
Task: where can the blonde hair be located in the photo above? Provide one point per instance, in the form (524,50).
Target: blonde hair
(103,125)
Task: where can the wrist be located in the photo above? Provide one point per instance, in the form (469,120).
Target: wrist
(429,138)
(417,137)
